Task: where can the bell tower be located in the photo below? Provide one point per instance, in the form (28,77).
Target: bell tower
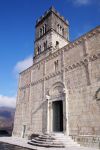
(52,32)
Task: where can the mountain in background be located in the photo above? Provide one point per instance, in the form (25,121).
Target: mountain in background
(6,119)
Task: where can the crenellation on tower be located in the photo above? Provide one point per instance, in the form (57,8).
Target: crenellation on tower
(46,13)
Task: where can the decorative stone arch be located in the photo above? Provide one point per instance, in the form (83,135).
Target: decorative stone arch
(57,89)
(56,99)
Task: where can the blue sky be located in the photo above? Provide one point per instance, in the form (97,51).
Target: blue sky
(17,24)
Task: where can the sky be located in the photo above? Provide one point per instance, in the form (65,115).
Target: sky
(17,28)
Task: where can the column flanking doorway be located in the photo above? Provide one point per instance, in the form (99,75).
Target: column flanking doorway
(57,116)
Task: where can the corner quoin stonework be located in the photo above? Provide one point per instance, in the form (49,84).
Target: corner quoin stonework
(61,71)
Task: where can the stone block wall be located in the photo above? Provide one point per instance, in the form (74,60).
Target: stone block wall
(82,78)
(79,70)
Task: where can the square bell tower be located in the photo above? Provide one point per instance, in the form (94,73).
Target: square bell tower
(52,32)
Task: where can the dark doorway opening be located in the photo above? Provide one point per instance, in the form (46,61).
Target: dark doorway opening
(58,116)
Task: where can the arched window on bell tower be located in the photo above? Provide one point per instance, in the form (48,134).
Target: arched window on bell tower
(40,34)
(58,28)
(39,50)
(63,31)
(45,28)
(57,44)
(45,45)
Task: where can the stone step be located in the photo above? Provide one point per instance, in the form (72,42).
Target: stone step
(47,145)
(45,137)
(53,140)
(66,140)
(42,139)
(53,143)
(47,142)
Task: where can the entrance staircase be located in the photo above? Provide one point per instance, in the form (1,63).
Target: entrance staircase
(56,140)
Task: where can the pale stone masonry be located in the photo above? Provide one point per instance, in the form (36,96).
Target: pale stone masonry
(61,90)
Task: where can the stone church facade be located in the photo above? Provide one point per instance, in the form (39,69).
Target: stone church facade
(60,92)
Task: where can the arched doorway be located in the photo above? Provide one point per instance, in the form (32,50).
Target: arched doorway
(56,109)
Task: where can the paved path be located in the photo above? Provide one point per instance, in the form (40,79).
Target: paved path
(23,142)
